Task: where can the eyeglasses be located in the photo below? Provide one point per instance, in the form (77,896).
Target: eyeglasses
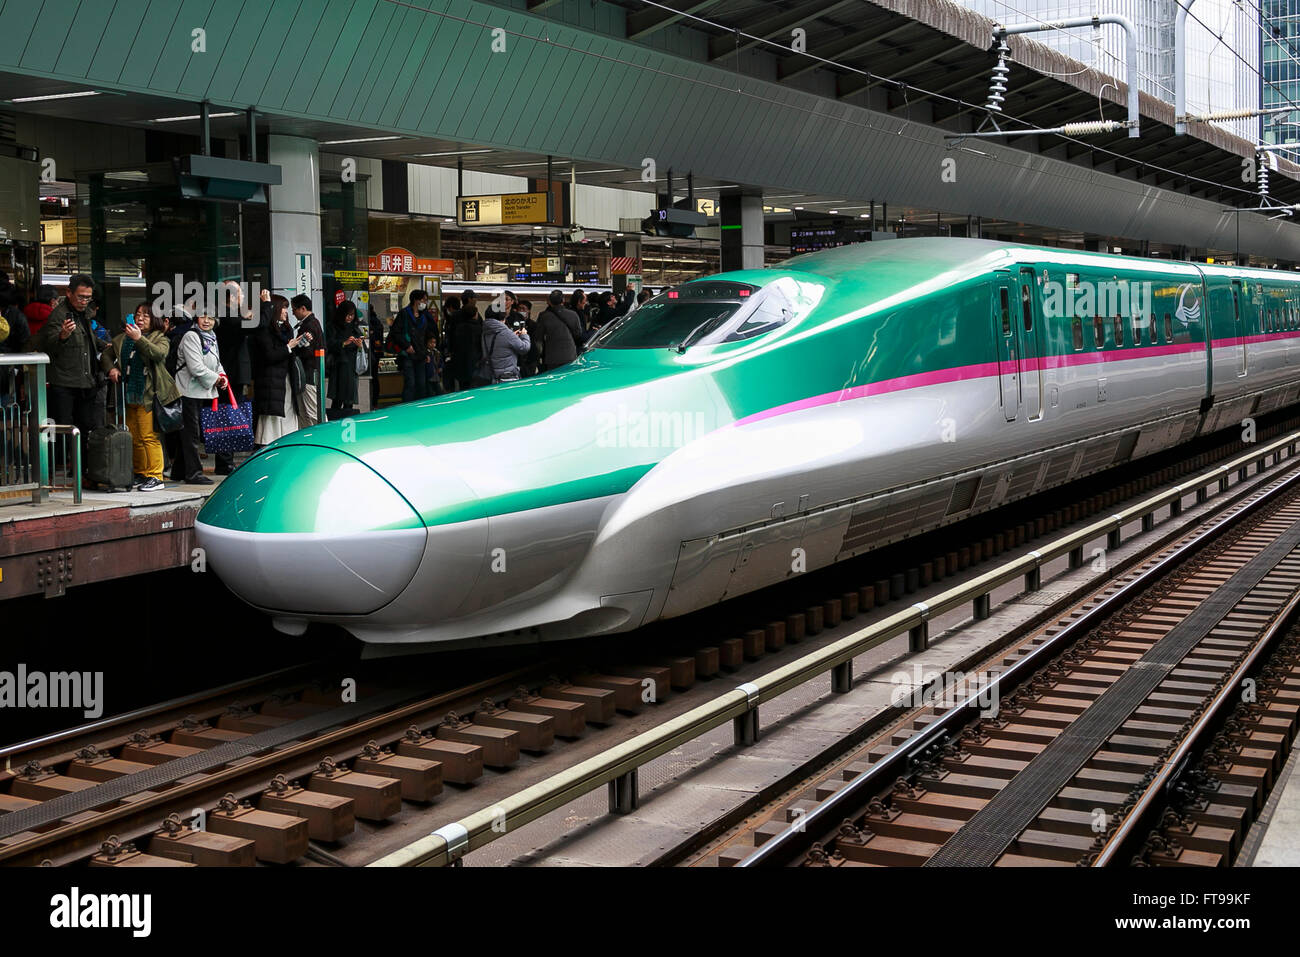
(82,297)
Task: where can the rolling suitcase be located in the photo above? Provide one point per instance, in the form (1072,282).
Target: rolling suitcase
(108,448)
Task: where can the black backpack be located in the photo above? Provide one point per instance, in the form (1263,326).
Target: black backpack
(174,347)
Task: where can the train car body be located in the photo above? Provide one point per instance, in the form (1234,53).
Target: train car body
(744,428)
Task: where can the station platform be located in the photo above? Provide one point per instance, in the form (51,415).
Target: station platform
(1279,843)
(49,547)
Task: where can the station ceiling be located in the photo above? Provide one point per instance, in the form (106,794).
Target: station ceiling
(597,80)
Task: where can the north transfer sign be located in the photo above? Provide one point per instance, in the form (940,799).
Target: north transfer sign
(504,209)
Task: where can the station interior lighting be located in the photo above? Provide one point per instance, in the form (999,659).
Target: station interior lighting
(54,96)
(196,116)
(361,139)
(445,152)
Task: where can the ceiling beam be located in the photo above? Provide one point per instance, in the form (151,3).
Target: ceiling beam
(642,23)
(777,25)
(795,65)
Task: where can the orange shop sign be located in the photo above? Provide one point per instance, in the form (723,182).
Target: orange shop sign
(395,259)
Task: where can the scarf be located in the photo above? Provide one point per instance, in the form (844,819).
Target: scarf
(208,340)
(133,363)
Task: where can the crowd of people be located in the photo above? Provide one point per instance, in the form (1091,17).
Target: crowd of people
(511,339)
(164,367)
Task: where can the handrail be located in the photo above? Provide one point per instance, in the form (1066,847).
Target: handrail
(31,451)
(451,842)
(24,359)
(74,435)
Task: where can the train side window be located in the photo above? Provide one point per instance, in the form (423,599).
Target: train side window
(1027,306)
(1076,328)
(1099,332)
(1137,330)
(1169,328)
(1119,331)
(1006,311)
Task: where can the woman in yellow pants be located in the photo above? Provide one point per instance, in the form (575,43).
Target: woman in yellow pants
(135,360)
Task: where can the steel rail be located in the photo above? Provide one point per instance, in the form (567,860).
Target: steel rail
(1138,822)
(148,711)
(826,817)
(449,843)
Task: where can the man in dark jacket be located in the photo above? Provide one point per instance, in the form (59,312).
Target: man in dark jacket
(561,332)
(308,325)
(234,324)
(74,374)
(464,341)
(410,332)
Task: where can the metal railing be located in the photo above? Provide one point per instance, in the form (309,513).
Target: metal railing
(24,456)
(616,768)
(61,475)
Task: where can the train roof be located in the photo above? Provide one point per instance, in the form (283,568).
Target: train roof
(943,254)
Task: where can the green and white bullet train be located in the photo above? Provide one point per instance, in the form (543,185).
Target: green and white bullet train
(740,429)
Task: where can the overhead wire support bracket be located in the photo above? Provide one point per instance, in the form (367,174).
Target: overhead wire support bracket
(1002,31)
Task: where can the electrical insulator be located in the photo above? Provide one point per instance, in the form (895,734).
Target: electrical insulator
(998,82)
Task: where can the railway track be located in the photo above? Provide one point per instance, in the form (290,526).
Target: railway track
(1146,727)
(273,779)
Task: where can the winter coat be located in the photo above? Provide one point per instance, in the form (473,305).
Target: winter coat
(37,313)
(561,333)
(232,342)
(17,334)
(412,329)
(270,354)
(307,353)
(197,371)
(341,361)
(157,381)
(504,348)
(74,362)
(463,340)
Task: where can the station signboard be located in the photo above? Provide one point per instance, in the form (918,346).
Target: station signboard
(58,232)
(504,209)
(358,278)
(545,264)
(397,260)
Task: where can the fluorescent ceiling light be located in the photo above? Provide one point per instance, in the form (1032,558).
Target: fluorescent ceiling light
(181,119)
(364,139)
(834,211)
(444,153)
(583,172)
(520,165)
(54,96)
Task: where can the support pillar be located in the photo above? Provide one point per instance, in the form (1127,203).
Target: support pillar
(629,249)
(295,216)
(741,231)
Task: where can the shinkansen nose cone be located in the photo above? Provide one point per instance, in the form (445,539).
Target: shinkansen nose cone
(303,528)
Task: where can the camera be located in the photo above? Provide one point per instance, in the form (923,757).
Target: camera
(517,325)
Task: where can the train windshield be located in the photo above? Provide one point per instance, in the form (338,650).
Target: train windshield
(692,314)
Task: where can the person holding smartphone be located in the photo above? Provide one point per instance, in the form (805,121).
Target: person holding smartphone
(134,360)
(271,348)
(311,337)
(74,376)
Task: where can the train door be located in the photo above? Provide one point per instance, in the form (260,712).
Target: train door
(1239,322)
(1029,330)
(1004,328)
